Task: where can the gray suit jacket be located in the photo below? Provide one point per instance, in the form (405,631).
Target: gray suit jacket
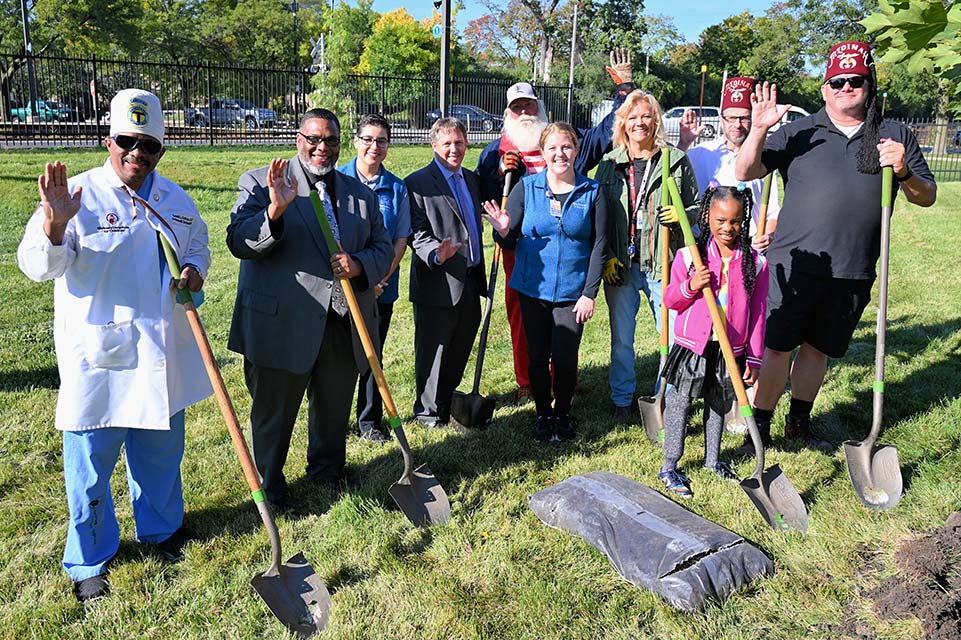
(283,292)
(434,216)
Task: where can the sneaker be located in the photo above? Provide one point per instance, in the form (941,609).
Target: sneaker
(799,428)
(91,588)
(544,428)
(172,549)
(622,415)
(564,428)
(676,483)
(724,472)
(375,435)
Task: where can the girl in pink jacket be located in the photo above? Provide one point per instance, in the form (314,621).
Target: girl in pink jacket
(695,367)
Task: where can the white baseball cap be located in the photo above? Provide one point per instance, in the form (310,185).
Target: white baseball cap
(520,90)
(137,111)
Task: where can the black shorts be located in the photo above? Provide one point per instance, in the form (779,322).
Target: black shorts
(818,310)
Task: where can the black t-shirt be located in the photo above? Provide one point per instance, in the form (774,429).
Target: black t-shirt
(830,219)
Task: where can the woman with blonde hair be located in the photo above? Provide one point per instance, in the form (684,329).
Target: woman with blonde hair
(630,177)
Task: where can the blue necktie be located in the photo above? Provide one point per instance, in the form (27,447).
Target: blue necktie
(467,214)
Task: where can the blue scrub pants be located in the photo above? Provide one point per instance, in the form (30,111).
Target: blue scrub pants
(623,304)
(156,491)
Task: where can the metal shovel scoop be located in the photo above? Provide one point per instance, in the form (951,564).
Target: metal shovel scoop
(293,591)
(651,408)
(875,471)
(771,492)
(418,493)
(472,410)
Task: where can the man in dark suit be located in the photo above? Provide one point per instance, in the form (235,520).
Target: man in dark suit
(447,271)
(291,320)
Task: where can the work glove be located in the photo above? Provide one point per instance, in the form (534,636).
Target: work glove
(611,272)
(512,163)
(667,216)
(620,67)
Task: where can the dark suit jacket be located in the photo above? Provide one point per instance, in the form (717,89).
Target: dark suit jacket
(283,291)
(434,216)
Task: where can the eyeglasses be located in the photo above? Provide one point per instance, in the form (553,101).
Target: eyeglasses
(856,82)
(129,143)
(745,120)
(369,140)
(330,141)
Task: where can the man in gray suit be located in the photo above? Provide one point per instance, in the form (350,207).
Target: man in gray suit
(291,320)
(447,272)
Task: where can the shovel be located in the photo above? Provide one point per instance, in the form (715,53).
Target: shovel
(418,493)
(293,591)
(770,491)
(472,410)
(875,470)
(734,422)
(651,408)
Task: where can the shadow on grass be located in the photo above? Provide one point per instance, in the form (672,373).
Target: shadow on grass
(46,378)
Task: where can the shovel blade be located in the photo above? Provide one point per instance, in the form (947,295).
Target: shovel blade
(734,420)
(423,500)
(777,500)
(652,417)
(296,596)
(471,410)
(875,473)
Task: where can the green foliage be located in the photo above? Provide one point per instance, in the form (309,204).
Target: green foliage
(924,35)
(726,45)
(399,45)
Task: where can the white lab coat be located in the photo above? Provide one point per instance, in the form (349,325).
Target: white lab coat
(125,352)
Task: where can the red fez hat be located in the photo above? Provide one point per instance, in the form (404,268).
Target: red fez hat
(737,93)
(849,57)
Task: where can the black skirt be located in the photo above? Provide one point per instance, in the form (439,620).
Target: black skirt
(691,374)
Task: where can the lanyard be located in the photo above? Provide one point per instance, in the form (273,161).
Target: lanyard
(637,196)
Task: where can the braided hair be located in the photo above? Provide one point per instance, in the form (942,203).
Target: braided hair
(868,156)
(742,195)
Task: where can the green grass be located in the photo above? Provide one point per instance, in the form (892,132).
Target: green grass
(495,571)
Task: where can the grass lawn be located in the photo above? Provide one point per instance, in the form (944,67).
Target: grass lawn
(495,571)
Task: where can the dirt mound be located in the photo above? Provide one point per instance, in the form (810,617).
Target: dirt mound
(929,584)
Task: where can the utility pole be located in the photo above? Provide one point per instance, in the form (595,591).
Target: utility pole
(28,47)
(570,75)
(444,6)
(294,8)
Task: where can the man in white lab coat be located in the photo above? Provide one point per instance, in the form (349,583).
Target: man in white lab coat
(128,365)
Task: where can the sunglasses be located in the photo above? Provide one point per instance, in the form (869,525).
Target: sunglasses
(129,143)
(856,82)
(330,141)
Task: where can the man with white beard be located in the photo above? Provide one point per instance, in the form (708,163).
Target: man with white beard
(518,151)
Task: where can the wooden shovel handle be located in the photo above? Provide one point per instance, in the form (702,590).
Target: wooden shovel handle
(762,213)
(666,201)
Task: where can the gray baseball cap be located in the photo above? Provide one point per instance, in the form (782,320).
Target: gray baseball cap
(520,90)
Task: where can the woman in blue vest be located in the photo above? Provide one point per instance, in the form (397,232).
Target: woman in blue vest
(372,140)
(556,221)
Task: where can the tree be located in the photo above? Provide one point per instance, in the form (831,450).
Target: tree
(399,45)
(725,45)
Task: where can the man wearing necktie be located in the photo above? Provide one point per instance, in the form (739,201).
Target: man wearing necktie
(291,320)
(447,271)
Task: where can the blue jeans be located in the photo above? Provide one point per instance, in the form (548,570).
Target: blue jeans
(156,491)
(623,303)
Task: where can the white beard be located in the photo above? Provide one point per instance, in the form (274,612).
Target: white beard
(525,131)
(317,171)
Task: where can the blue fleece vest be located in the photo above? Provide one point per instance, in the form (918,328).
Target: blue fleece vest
(553,253)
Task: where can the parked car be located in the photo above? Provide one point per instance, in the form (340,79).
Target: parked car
(474,118)
(794,113)
(710,119)
(230,112)
(47,111)
(956,140)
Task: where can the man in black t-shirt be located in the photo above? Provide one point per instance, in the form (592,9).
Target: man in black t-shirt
(827,243)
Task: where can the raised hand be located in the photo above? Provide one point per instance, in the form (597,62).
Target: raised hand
(620,67)
(446,249)
(499,219)
(59,205)
(689,131)
(765,111)
(281,192)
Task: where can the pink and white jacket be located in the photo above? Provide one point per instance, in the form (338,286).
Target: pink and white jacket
(745,317)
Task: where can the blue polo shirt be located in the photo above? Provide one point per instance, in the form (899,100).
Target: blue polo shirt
(395,208)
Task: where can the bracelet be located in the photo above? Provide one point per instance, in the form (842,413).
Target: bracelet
(906,176)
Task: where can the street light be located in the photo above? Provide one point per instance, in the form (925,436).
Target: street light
(28,47)
(294,7)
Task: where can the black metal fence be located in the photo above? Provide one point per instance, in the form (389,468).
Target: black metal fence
(222,104)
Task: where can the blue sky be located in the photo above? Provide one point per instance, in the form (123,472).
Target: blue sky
(697,14)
